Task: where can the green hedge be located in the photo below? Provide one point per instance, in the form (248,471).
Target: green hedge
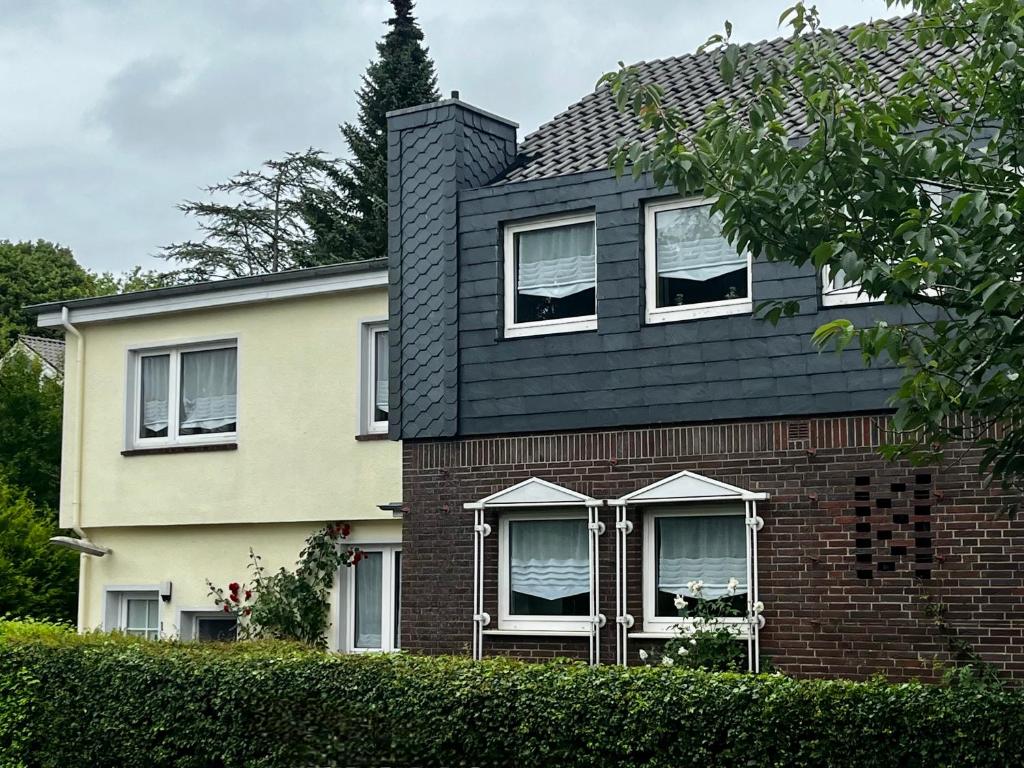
(108,701)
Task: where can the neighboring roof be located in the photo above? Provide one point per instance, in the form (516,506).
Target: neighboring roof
(50,351)
(581,137)
(278,285)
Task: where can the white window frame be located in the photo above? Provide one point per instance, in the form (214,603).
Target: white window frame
(508,621)
(542,327)
(368,424)
(174,351)
(851,293)
(661,625)
(188,621)
(116,605)
(389,609)
(656,314)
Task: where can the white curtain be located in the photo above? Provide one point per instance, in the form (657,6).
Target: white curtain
(558,261)
(549,559)
(380,371)
(691,247)
(369,575)
(209,381)
(711,549)
(155,381)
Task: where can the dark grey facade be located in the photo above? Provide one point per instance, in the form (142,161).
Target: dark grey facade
(454,373)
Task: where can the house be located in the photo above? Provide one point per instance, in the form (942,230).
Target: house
(591,418)
(49,353)
(204,420)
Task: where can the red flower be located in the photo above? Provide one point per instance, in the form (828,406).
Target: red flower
(248,594)
(346,529)
(227,608)
(357,557)
(233,586)
(234,598)
(247,611)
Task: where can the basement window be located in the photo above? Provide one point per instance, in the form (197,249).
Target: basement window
(551,276)
(691,270)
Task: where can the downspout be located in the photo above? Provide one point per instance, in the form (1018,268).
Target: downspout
(76,457)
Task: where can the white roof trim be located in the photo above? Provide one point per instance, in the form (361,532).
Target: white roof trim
(688,486)
(208,299)
(533,493)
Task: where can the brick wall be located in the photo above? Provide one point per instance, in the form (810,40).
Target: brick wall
(864,566)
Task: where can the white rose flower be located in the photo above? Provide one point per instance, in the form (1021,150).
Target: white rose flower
(643,655)
(682,651)
(758,607)
(693,641)
(698,587)
(667,661)
(731,586)
(680,602)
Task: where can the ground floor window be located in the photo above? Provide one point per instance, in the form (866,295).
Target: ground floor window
(544,571)
(134,611)
(373,597)
(207,626)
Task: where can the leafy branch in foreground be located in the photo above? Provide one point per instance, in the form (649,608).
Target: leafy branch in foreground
(909,185)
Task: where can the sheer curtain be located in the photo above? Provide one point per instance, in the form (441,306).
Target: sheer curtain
(691,247)
(155,382)
(549,558)
(558,261)
(369,576)
(711,549)
(209,381)
(380,340)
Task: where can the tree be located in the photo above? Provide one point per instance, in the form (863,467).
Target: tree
(911,184)
(349,220)
(37,579)
(31,273)
(135,279)
(30,430)
(258,223)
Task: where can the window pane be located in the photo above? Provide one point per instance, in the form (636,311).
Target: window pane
(216,629)
(398,600)
(556,272)
(208,390)
(380,376)
(695,264)
(710,548)
(155,375)
(549,568)
(142,615)
(369,596)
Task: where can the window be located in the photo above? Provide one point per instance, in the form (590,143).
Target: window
(215,629)
(373,600)
(544,572)
(138,614)
(837,291)
(375,378)
(691,270)
(705,543)
(550,276)
(185,395)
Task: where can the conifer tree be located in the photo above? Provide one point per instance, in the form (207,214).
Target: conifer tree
(349,221)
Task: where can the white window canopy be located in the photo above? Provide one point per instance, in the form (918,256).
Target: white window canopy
(534,493)
(687,486)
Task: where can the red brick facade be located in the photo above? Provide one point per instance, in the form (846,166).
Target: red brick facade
(865,567)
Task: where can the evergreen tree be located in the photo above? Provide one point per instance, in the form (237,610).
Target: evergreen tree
(350,220)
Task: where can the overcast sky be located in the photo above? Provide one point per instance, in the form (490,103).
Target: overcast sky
(113,111)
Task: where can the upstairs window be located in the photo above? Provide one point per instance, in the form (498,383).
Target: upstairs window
(375,378)
(691,270)
(550,276)
(836,290)
(185,395)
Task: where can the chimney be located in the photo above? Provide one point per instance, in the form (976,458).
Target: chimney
(434,151)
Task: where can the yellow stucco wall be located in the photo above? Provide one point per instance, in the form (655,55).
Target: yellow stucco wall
(298,414)
(188,555)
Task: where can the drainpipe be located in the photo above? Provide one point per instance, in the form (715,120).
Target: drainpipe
(76,458)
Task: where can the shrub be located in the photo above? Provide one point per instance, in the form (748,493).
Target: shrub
(102,700)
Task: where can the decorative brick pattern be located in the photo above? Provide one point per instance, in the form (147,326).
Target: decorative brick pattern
(829,610)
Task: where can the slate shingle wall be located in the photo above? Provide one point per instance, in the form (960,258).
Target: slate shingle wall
(432,152)
(857,559)
(626,372)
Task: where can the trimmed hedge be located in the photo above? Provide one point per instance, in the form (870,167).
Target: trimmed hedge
(99,700)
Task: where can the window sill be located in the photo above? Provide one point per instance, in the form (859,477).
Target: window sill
(676,314)
(199,448)
(537,632)
(368,436)
(550,327)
